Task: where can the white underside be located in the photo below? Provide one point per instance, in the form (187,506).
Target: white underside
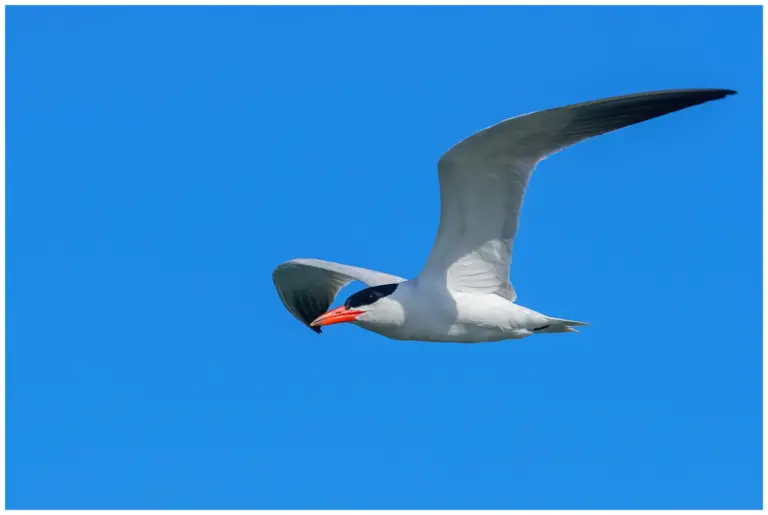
(429,314)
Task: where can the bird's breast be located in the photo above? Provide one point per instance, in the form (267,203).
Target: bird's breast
(443,316)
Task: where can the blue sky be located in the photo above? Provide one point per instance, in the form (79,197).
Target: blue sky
(162,161)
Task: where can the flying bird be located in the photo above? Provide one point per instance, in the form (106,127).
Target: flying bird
(463,293)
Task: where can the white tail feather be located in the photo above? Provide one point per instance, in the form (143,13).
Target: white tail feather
(560,325)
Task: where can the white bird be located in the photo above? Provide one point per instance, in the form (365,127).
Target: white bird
(463,293)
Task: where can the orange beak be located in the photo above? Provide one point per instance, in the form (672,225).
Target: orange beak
(336,316)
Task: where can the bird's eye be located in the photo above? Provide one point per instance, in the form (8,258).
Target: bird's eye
(369,296)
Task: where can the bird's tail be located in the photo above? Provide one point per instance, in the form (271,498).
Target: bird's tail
(560,325)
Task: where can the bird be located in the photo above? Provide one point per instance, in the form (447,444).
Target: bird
(463,293)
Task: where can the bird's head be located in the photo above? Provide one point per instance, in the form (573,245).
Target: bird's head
(371,307)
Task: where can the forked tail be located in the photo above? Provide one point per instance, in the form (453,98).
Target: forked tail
(560,325)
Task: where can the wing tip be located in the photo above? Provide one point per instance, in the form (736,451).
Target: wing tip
(722,93)
(701,95)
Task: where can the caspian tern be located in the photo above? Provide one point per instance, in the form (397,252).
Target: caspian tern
(463,293)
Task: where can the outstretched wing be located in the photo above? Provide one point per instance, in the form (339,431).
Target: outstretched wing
(483,180)
(307,287)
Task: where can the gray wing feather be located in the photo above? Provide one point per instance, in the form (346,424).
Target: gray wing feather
(537,135)
(307,287)
(484,177)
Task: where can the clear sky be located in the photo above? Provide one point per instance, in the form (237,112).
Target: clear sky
(162,161)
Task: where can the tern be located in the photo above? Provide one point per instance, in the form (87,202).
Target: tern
(463,293)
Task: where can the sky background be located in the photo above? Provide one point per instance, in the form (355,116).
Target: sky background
(162,161)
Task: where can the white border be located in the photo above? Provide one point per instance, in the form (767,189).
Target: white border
(355,2)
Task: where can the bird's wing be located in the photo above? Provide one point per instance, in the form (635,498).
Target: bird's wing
(307,287)
(484,177)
